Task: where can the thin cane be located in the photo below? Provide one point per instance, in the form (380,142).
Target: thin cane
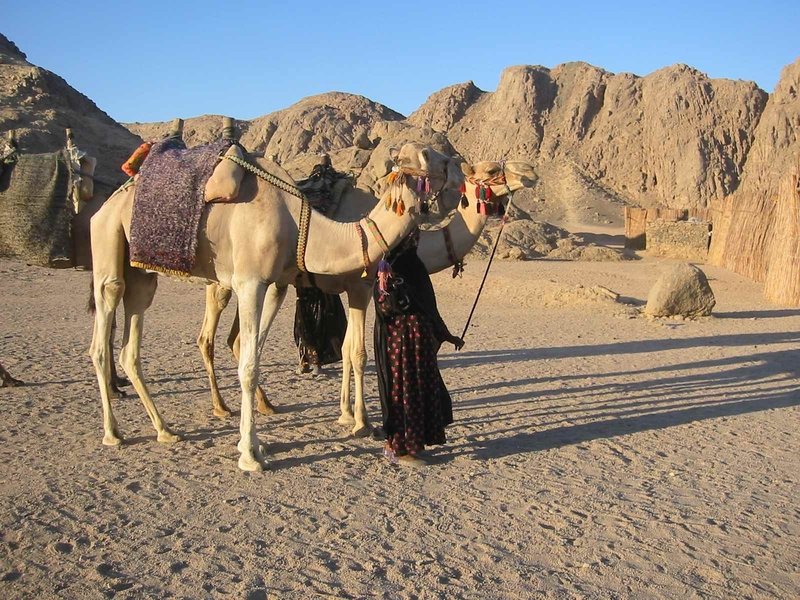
(485,273)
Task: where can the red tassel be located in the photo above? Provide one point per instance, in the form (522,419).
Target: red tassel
(401,208)
(488,192)
(477,191)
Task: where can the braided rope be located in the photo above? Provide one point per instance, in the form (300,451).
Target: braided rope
(302,235)
(364,244)
(376,233)
(305,206)
(268,177)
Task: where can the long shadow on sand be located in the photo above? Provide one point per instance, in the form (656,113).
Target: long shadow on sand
(493,357)
(715,388)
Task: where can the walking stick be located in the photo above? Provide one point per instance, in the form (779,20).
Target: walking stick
(503,221)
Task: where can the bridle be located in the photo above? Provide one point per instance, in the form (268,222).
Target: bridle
(483,192)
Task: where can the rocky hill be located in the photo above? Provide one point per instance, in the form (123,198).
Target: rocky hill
(599,140)
(39,105)
(674,138)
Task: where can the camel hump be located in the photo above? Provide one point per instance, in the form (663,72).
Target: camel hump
(223,185)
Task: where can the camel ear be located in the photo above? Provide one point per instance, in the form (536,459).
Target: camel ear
(467,169)
(394,153)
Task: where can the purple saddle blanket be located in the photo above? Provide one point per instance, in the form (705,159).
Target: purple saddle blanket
(168,203)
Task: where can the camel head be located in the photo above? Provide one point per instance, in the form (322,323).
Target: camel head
(490,183)
(437,178)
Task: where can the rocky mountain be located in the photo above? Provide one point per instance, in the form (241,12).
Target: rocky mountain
(39,105)
(674,138)
(599,140)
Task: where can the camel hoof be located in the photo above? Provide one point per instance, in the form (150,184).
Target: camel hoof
(222,412)
(346,420)
(266,408)
(167,437)
(112,440)
(250,464)
(362,432)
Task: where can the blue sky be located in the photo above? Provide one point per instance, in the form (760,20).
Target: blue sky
(153,61)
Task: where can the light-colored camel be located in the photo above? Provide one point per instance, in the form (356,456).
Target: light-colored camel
(245,246)
(354,202)
(460,235)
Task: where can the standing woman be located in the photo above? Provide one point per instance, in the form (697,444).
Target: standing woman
(409,330)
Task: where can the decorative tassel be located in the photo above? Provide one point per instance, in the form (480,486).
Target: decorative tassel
(477,191)
(384,273)
(464,200)
(131,166)
(420,185)
(388,202)
(483,193)
(423,207)
(488,193)
(427,185)
(401,208)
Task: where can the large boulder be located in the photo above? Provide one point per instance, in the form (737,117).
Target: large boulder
(682,290)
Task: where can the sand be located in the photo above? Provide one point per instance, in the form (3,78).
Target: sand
(595,454)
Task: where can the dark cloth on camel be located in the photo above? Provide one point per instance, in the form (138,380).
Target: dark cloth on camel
(319,327)
(409,330)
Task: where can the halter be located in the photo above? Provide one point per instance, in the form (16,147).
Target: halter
(399,175)
(483,191)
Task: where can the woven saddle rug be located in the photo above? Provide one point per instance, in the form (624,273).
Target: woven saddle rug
(36,211)
(324,187)
(168,204)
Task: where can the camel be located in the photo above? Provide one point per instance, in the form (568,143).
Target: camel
(246,246)
(438,249)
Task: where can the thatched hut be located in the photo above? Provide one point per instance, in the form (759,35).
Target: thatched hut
(751,225)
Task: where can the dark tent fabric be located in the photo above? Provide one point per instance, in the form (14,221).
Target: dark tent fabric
(36,210)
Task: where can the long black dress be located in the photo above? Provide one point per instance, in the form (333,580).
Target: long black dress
(319,328)
(409,330)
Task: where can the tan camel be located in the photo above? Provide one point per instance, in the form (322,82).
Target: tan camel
(245,246)
(438,249)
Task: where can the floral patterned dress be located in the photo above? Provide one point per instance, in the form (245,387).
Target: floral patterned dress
(415,403)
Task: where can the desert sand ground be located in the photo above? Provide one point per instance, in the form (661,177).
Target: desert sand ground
(595,454)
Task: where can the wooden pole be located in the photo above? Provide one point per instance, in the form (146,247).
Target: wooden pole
(228,129)
(176,129)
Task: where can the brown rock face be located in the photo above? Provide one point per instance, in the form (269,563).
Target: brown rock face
(317,124)
(674,137)
(39,105)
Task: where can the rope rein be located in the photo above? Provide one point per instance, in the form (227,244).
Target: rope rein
(503,221)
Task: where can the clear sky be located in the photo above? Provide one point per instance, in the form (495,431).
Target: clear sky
(145,61)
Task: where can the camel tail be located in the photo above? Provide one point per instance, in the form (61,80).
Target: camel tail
(91,307)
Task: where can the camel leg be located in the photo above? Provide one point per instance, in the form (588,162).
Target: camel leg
(272,303)
(346,418)
(354,358)
(358,300)
(116,380)
(217,298)
(251,303)
(139,291)
(108,291)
